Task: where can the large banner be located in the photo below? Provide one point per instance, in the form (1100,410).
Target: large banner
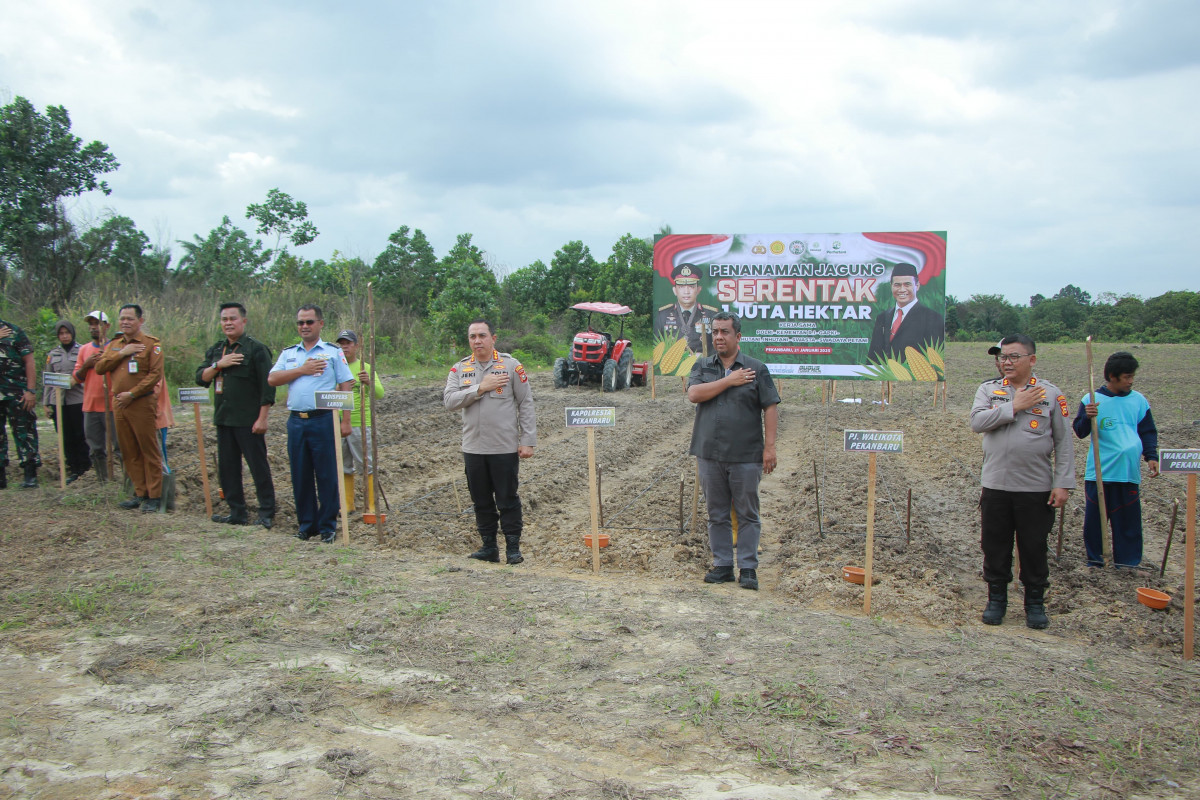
(812,305)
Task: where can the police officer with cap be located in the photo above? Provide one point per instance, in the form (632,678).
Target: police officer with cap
(685,317)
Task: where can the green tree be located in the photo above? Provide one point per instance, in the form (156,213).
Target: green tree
(468,289)
(572,273)
(124,253)
(407,270)
(284,217)
(42,164)
(524,291)
(227,259)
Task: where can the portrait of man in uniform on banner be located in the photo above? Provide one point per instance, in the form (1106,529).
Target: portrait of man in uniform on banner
(686,318)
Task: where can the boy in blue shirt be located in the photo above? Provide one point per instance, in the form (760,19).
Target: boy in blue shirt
(1127,432)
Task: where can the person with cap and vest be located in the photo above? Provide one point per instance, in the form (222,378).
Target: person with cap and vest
(62,359)
(18,379)
(994,351)
(356,451)
(135,359)
(908,324)
(686,317)
(98,420)
(1028,470)
(237,367)
(307,368)
(491,390)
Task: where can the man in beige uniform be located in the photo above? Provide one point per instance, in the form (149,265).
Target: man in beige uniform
(135,360)
(1028,469)
(491,390)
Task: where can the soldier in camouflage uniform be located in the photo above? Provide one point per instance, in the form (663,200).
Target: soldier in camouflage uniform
(685,317)
(18,377)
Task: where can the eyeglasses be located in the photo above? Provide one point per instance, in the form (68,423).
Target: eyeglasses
(300,323)
(1013,357)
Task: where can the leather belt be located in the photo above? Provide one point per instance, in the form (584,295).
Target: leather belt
(310,414)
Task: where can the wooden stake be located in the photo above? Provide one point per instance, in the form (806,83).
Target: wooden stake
(372,480)
(817,491)
(733,529)
(1062,516)
(653,395)
(457,500)
(208,503)
(594,497)
(1170,536)
(908,520)
(681,481)
(1105,543)
(62,451)
(336,416)
(1189,572)
(696,499)
(824,388)
(833,391)
(110,422)
(600,493)
(945,386)
(870,533)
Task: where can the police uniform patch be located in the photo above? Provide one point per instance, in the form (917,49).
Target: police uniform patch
(1000,391)
(1035,410)
(454,369)
(157,349)
(1062,404)
(1033,423)
(521,372)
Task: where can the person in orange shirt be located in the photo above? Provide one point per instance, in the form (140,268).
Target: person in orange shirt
(135,359)
(97,412)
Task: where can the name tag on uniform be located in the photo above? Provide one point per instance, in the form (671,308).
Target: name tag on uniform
(218,385)
(132,367)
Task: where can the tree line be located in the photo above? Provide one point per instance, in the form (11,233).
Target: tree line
(49,258)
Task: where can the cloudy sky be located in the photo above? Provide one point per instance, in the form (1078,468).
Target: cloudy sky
(1053,141)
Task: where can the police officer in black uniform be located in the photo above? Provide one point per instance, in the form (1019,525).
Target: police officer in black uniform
(685,317)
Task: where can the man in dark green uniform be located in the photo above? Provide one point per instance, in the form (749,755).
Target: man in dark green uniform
(18,377)
(237,368)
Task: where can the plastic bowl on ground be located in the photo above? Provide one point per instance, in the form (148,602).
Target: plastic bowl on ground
(1153,598)
(854,574)
(587,540)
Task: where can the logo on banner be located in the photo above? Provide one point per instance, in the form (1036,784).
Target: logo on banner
(796,247)
(759,249)
(777,248)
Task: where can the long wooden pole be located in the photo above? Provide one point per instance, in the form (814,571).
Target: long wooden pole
(336,416)
(870,533)
(1105,544)
(62,450)
(594,499)
(208,504)
(109,434)
(1189,575)
(817,493)
(372,480)
(1170,536)
(1062,516)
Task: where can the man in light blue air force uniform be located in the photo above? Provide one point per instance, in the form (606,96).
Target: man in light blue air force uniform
(307,368)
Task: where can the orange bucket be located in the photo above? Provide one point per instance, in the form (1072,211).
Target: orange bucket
(370,518)
(854,574)
(587,540)
(1153,598)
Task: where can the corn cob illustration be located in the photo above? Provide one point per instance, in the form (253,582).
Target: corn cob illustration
(672,357)
(935,360)
(898,371)
(685,367)
(656,356)
(918,366)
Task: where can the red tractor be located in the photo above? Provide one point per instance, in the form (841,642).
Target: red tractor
(596,356)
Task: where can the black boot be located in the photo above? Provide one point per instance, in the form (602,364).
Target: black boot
(1035,607)
(997,605)
(4,477)
(512,548)
(489,551)
(30,481)
(100,464)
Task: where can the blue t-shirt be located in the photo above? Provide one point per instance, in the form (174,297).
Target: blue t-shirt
(1127,433)
(302,391)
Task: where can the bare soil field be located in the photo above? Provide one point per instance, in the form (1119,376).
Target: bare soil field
(165,656)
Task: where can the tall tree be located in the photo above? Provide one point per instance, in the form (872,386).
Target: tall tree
(572,273)
(227,259)
(284,217)
(627,276)
(43,165)
(467,289)
(406,271)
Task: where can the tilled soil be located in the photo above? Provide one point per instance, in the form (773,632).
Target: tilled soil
(168,656)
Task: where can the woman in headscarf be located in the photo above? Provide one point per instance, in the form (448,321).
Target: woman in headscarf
(62,360)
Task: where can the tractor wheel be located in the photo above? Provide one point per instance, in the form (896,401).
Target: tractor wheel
(625,370)
(560,373)
(608,381)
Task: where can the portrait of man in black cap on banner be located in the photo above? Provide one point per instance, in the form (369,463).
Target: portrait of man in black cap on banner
(908,323)
(685,317)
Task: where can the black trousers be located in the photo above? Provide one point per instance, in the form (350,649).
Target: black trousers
(492,481)
(234,444)
(78,456)
(1029,517)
